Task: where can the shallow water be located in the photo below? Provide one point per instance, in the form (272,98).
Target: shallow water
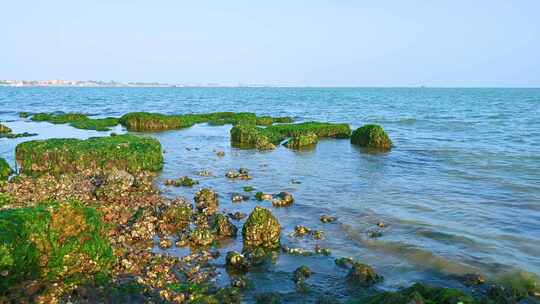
(460,191)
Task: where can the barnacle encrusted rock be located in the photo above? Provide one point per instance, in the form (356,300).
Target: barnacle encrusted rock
(261,229)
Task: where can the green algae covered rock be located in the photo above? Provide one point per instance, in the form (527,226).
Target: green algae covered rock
(371,136)
(321,129)
(362,275)
(77,120)
(302,141)
(54,242)
(143,121)
(261,229)
(5,170)
(420,293)
(249,136)
(56,156)
(201,237)
(4,129)
(206,201)
(59,118)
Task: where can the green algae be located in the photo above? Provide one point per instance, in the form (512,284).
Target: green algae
(248,136)
(77,120)
(56,156)
(5,170)
(261,229)
(98,124)
(419,293)
(53,242)
(371,136)
(144,121)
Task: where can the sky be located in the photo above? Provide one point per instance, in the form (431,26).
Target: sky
(293,43)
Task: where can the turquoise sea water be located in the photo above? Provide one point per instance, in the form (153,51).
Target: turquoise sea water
(460,191)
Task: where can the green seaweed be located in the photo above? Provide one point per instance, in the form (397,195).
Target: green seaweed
(4,129)
(98,124)
(371,136)
(5,170)
(56,156)
(302,141)
(51,242)
(59,118)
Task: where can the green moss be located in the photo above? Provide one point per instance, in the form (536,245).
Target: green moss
(125,152)
(59,118)
(58,241)
(77,120)
(302,141)
(4,129)
(5,199)
(5,170)
(143,121)
(99,124)
(261,229)
(371,136)
(249,136)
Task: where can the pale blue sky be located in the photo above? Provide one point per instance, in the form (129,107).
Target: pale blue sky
(315,42)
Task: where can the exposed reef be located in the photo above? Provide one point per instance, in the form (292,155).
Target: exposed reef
(371,136)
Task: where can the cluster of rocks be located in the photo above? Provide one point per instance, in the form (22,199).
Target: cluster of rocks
(282,199)
(241,173)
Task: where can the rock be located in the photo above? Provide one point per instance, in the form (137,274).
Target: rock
(301,274)
(306,140)
(175,218)
(322,251)
(220,154)
(328,218)
(239,282)
(472,279)
(206,201)
(24,114)
(237,197)
(170,182)
(318,234)
(300,230)
(4,129)
(371,136)
(374,234)
(296,251)
(165,243)
(183,241)
(268,298)
(242,173)
(5,170)
(261,229)
(236,261)
(283,199)
(223,227)
(381,225)
(248,188)
(247,136)
(362,275)
(185,181)
(263,197)
(232,174)
(237,215)
(204,173)
(201,237)
(295,181)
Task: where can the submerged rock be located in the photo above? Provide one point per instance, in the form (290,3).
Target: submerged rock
(237,215)
(421,294)
(362,275)
(328,218)
(300,230)
(236,261)
(301,274)
(261,229)
(5,169)
(283,199)
(263,196)
(371,136)
(206,201)
(185,181)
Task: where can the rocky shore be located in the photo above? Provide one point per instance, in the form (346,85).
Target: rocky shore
(81,221)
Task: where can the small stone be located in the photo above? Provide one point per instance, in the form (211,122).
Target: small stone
(318,234)
(295,181)
(232,174)
(204,173)
(300,230)
(344,262)
(236,261)
(301,274)
(381,225)
(328,218)
(239,282)
(170,182)
(220,153)
(237,215)
(207,201)
(374,234)
(185,181)
(263,197)
(236,197)
(165,243)
(283,199)
(322,251)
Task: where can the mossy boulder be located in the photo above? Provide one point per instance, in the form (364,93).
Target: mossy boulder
(362,275)
(206,201)
(371,136)
(143,121)
(261,229)
(309,139)
(54,242)
(4,129)
(201,237)
(131,153)
(247,136)
(5,170)
(420,293)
